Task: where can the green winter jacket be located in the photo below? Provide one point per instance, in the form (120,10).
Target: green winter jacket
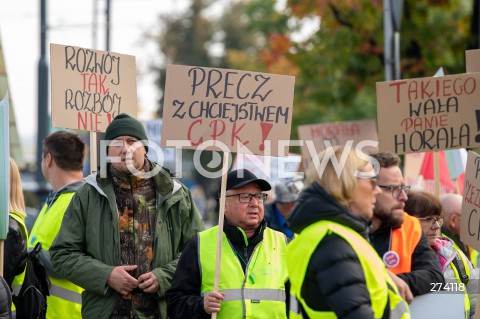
(87,247)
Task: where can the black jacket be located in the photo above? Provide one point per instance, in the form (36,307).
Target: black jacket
(184,299)
(425,266)
(15,251)
(5,300)
(334,280)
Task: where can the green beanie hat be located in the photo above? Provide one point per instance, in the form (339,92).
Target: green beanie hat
(125,125)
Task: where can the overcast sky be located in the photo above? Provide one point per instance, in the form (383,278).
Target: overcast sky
(71,23)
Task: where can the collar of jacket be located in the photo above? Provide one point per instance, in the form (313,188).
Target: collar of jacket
(68,188)
(314,204)
(237,236)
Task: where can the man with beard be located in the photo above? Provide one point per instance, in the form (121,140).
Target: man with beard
(396,236)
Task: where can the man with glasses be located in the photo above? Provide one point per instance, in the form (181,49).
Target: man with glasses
(396,236)
(253,266)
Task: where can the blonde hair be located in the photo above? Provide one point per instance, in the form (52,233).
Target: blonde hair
(17,202)
(339,185)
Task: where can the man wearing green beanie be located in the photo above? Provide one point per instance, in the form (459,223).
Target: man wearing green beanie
(125,125)
(124,230)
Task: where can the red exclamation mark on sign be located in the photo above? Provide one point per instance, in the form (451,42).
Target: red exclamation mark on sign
(477,113)
(266,127)
(109,118)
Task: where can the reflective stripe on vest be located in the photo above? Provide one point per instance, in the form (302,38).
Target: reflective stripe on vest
(295,311)
(65,296)
(263,298)
(256,294)
(398,311)
(404,241)
(16,288)
(380,285)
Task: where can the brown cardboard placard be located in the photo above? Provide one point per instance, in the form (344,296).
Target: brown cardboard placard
(248,112)
(429,114)
(91,87)
(470,221)
(337,133)
(472,60)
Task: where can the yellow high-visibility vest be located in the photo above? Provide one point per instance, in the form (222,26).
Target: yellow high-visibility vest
(65,297)
(382,289)
(457,274)
(18,279)
(257,293)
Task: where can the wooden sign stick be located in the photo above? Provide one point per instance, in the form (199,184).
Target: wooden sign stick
(93,151)
(436,174)
(1,257)
(221,214)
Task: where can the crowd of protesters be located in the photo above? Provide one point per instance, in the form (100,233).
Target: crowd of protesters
(129,241)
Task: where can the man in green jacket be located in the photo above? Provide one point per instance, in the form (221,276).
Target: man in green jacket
(122,235)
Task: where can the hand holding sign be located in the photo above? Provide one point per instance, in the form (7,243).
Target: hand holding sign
(227,109)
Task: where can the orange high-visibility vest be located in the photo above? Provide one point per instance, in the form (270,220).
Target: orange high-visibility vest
(403,242)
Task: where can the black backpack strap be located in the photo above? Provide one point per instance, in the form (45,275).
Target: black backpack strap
(37,249)
(31,302)
(462,273)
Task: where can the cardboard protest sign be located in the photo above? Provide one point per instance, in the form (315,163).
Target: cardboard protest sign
(4,167)
(248,112)
(470,221)
(429,114)
(313,136)
(472,60)
(91,87)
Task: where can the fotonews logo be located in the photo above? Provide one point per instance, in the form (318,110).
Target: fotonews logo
(265,167)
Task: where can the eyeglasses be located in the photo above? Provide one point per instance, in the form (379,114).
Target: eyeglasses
(431,220)
(247,198)
(372,179)
(396,189)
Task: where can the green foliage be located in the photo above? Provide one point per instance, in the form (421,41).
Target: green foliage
(337,67)
(183,41)
(341,63)
(242,32)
